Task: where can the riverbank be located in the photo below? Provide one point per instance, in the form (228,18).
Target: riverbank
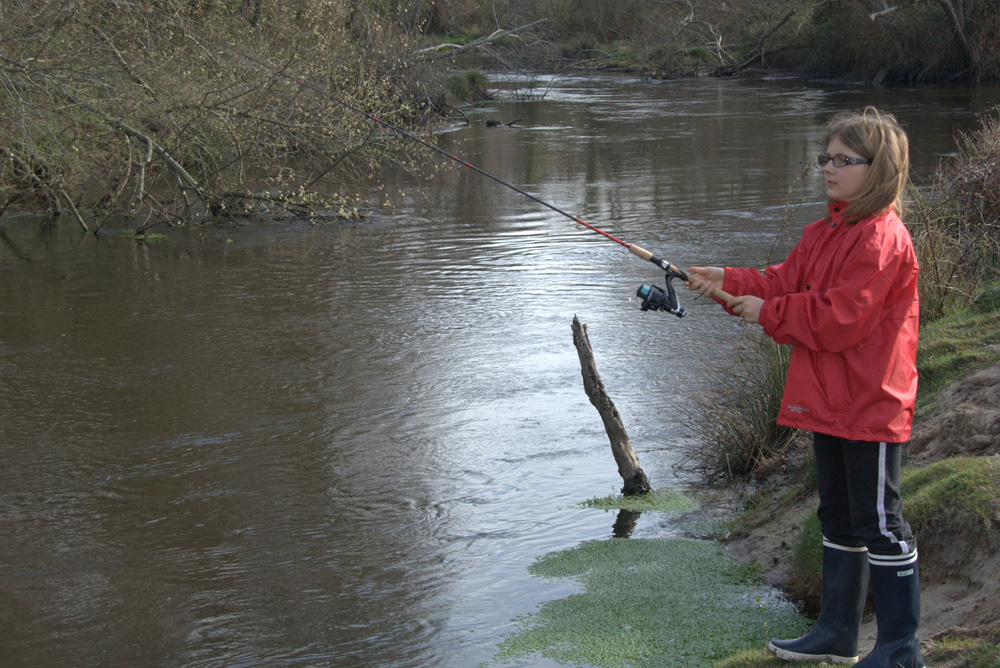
(922,44)
(960,595)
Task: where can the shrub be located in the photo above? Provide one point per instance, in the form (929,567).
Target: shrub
(735,419)
(189,111)
(956,223)
(470,86)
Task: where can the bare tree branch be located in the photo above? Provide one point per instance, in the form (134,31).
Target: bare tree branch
(118,124)
(449,49)
(759,52)
(882,12)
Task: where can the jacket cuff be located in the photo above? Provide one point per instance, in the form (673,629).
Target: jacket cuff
(765,317)
(730,283)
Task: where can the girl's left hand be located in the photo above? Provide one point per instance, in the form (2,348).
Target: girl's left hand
(747,307)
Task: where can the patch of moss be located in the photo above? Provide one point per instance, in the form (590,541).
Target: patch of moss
(663,500)
(650,602)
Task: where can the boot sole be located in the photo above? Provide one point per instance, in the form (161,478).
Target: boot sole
(788,655)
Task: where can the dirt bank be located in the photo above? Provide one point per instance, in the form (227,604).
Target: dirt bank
(960,590)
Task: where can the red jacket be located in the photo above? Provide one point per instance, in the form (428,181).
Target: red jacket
(846,299)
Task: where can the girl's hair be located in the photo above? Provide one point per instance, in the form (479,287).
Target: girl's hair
(878,137)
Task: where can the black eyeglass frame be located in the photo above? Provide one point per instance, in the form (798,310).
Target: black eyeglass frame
(840,160)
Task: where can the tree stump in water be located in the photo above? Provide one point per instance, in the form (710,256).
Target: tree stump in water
(635,480)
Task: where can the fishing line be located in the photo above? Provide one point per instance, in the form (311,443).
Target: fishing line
(653,297)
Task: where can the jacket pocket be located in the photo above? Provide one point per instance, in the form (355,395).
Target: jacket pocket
(831,370)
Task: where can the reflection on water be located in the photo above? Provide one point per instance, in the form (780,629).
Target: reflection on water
(625,523)
(342,445)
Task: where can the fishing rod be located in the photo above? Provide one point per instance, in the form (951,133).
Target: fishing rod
(654,297)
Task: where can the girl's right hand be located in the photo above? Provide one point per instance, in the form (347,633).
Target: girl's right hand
(704,279)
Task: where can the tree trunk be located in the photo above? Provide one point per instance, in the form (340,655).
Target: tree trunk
(957,20)
(635,480)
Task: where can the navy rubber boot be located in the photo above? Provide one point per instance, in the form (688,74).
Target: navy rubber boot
(834,638)
(896,590)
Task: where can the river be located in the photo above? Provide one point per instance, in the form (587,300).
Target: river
(343,444)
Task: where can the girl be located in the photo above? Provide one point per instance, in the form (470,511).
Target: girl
(846,300)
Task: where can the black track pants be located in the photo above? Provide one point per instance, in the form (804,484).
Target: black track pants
(859,504)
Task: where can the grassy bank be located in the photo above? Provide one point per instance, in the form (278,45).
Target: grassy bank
(963,341)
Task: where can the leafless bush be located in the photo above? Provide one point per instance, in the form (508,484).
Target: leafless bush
(956,222)
(735,419)
(974,179)
(176,114)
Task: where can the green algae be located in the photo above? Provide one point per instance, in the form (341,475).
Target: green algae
(662,500)
(650,602)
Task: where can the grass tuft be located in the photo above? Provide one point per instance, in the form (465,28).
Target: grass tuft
(735,420)
(964,651)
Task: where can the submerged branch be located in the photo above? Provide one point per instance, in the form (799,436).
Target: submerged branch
(632,474)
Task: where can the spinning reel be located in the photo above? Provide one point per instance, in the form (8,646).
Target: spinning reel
(655,298)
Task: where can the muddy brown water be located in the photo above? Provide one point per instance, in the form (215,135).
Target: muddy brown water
(343,444)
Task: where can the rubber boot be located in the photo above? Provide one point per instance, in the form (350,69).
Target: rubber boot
(834,638)
(896,590)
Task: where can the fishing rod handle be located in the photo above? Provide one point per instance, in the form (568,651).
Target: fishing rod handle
(644,254)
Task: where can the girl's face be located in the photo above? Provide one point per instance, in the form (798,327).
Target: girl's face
(843,184)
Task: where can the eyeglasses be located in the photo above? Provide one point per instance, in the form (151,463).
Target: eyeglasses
(839,160)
